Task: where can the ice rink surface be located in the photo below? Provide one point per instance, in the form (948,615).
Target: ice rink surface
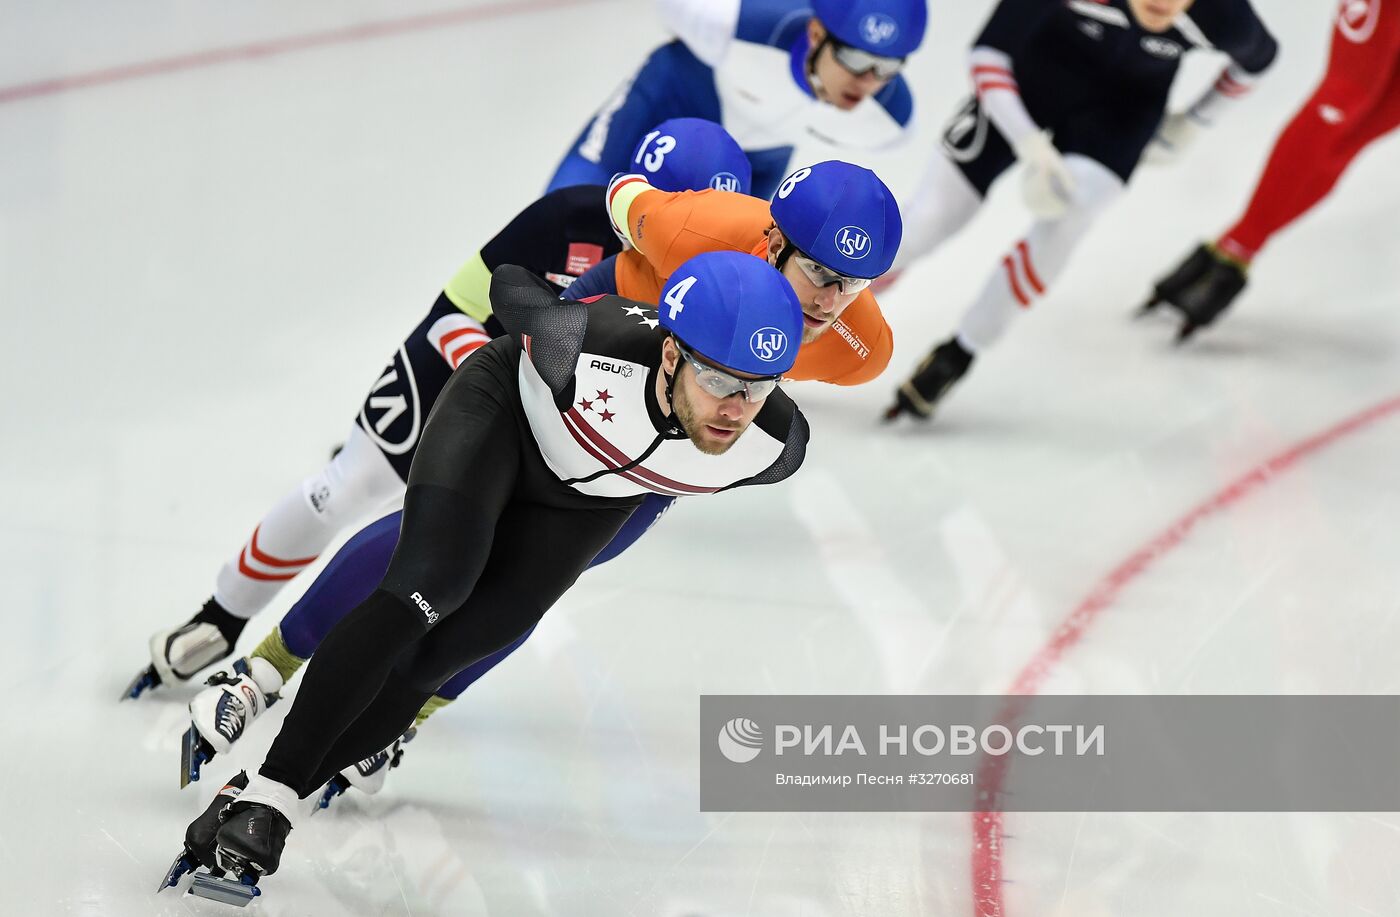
(204,263)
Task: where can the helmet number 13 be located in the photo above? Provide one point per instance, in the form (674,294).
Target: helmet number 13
(653,157)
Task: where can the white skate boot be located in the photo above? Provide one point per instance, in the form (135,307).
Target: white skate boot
(368,776)
(179,653)
(222,712)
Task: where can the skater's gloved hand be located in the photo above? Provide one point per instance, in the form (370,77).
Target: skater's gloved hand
(1175,135)
(1048,184)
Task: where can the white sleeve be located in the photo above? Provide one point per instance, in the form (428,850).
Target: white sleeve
(706,26)
(1234,82)
(997,90)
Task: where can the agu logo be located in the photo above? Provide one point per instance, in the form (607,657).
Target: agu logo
(853,242)
(768,344)
(740,740)
(878,29)
(424,607)
(725,181)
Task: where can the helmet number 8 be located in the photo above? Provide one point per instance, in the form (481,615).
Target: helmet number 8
(792,181)
(653,159)
(675,297)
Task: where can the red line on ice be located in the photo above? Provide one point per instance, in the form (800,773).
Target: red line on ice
(987,851)
(274,46)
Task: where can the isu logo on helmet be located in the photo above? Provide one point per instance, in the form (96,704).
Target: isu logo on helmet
(853,242)
(768,344)
(725,181)
(878,29)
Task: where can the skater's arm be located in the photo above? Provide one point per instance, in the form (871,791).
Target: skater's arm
(994,81)
(1010,28)
(1235,29)
(550,330)
(533,240)
(1252,50)
(706,26)
(783,421)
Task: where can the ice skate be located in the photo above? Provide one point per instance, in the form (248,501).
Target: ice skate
(367,776)
(180,653)
(944,366)
(220,714)
(249,842)
(1200,289)
(199,836)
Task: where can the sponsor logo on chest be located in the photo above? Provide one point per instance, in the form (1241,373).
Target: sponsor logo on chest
(1161,48)
(624,370)
(581,257)
(1357,20)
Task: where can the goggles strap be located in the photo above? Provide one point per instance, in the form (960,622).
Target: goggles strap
(788,250)
(811,68)
(671,388)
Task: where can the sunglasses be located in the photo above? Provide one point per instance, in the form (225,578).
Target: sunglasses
(860,62)
(822,276)
(721,384)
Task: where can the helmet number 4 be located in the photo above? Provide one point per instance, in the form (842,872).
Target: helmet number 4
(675,297)
(653,157)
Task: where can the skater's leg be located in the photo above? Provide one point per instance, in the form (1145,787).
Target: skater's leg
(539,552)
(1025,275)
(653,507)
(301,524)
(367,473)
(1036,262)
(607,142)
(943,203)
(451,528)
(284,543)
(346,581)
(1354,104)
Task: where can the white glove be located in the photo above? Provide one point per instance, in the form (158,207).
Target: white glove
(1176,134)
(1048,186)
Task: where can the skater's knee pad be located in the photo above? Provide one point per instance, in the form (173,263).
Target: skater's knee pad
(357,481)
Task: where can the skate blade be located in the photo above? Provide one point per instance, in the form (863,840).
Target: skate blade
(182,865)
(1187,332)
(337,786)
(194,754)
(1148,307)
(145,679)
(225,891)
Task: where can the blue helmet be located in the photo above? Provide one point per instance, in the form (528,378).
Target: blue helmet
(692,154)
(735,310)
(889,28)
(842,216)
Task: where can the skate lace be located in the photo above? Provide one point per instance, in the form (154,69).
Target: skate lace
(228,717)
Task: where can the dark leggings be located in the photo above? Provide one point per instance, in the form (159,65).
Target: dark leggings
(361,563)
(490,540)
